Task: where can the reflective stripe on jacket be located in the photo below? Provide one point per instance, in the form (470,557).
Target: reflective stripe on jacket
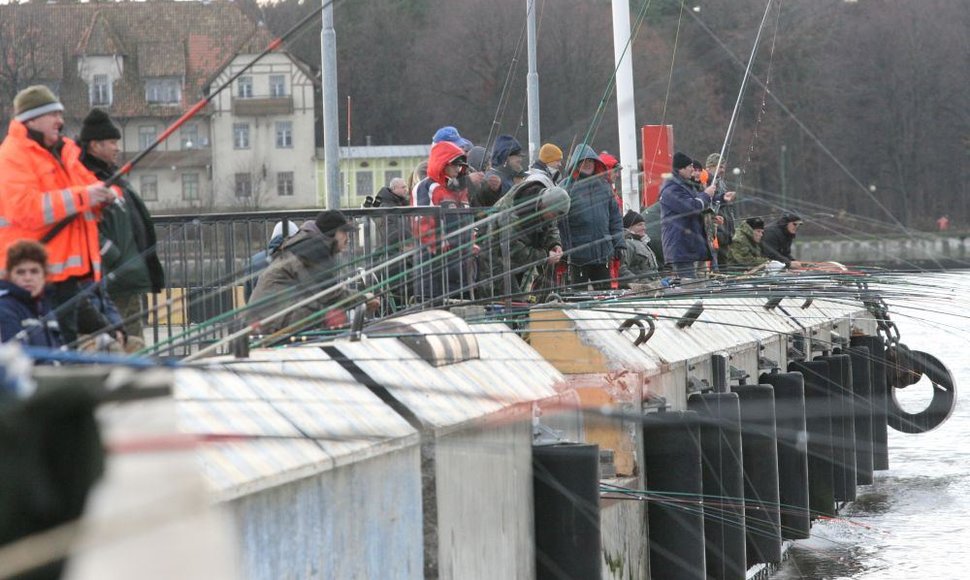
(38,191)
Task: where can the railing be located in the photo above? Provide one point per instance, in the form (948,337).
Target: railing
(207,262)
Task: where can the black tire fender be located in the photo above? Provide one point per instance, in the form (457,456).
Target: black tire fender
(918,364)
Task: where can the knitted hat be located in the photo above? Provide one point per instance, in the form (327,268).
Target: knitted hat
(755,223)
(631,219)
(549,153)
(97,126)
(697,164)
(790,217)
(34,102)
(713,160)
(332,220)
(681,161)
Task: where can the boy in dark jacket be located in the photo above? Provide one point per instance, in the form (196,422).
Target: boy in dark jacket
(24,312)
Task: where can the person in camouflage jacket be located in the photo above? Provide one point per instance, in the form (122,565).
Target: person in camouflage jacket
(745,250)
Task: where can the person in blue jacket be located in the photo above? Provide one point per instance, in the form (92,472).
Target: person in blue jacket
(682,232)
(24,312)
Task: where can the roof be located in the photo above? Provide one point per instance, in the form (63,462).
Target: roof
(282,421)
(384,151)
(188,40)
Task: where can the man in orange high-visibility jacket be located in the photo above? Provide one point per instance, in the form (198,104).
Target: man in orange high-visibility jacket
(42,183)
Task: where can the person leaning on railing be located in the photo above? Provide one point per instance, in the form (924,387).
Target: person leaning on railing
(305,268)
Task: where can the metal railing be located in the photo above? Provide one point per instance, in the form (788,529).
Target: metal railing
(207,261)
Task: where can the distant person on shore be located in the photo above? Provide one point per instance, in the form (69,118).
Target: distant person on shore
(745,249)
(943,223)
(777,241)
(24,311)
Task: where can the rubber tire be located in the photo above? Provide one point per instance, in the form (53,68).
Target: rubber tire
(939,409)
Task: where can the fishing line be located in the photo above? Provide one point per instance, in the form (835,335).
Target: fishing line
(818,142)
(744,84)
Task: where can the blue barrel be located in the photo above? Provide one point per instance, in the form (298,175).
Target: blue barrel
(843,426)
(862,386)
(880,400)
(759,445)
(792,453)
(818,422)
(672,465)
(723,483)
(565,484)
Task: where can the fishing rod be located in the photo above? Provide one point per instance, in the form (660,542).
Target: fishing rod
(804,128)
(744,84)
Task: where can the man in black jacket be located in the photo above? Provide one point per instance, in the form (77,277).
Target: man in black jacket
(778,238)
(132,267)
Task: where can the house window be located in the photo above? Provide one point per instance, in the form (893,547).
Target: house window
(244,185)
(365,183)
(164,91)
(284,183)
(190,186)
(148,187)
(146,136)
(240,135)
(244,87)
(100,91)
(389,175)
(190,136)
(284,134)
(277,86)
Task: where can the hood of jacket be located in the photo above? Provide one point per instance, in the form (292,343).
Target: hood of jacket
(310,245)
(441,154)
(476,158)
(582,153)
(505,145)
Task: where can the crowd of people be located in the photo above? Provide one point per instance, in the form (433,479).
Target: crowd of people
(77,256)
(555,226)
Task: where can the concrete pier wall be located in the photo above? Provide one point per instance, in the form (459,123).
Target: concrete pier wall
(916,252)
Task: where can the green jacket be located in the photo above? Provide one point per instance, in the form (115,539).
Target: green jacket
(127,233)
(639,261)
(530,237)
(744,251)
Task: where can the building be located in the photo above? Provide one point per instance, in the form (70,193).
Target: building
(146,63)
(365,170)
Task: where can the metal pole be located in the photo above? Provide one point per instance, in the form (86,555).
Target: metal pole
(625,104)
(331,127)
(784,180)
(532,82)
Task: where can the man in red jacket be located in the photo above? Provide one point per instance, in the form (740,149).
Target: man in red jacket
(45,184)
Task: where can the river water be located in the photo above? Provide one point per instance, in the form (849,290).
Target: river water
(914,521)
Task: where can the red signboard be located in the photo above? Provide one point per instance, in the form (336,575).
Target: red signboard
(658,154)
